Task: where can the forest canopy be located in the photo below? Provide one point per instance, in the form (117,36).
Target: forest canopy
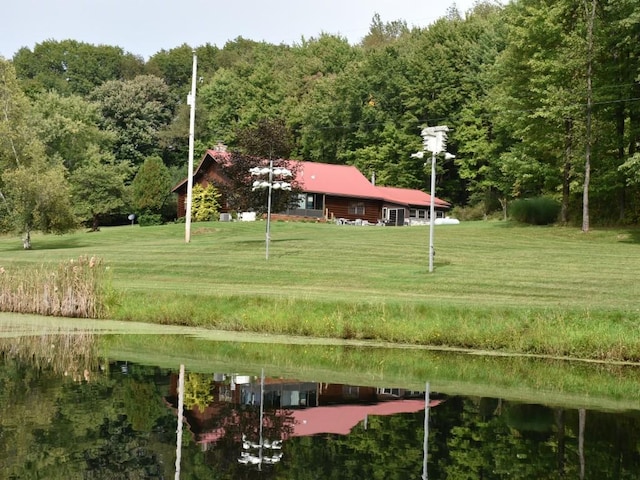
(542,99)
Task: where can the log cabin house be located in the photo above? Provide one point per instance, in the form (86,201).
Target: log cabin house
(331,193)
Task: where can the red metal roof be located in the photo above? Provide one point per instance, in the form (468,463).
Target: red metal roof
(348,181)
(340,180)
(406,196)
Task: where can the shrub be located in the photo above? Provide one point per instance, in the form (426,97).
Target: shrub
(205,203)
(535,211)
(149,219)
(469,212)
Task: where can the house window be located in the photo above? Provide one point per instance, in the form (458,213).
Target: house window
(311,204)
(356,208)
(422,214)
(310,201)
(413,213)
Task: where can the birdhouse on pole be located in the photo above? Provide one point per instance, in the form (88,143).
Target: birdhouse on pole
(434,139)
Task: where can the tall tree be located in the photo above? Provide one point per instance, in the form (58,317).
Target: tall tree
(68,126)
(38,198)
(70,66)
(590,16)
(151,187)
(98,187)
(18,142)
(135,111)
(34,191)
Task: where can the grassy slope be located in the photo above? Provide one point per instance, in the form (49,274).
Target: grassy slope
(498,286)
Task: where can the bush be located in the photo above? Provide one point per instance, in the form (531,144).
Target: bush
(149,219)
(469,212)
(535,211)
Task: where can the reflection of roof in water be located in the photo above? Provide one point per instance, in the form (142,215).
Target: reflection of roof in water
(341,419)
(337,419)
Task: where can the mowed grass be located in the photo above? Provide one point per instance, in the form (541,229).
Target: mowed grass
(496,285)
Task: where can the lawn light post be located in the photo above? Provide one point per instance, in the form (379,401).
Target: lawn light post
(274,181)
(434,140)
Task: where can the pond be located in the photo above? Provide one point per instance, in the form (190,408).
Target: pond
(86,405)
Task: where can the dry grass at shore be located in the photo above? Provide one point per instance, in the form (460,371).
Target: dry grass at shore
(71,289)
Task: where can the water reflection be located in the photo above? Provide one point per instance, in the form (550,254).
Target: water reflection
(262,414)
(73,355)
(119,421)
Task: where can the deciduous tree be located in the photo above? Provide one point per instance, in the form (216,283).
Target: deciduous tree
(135,110)
(98,187)
(38,198)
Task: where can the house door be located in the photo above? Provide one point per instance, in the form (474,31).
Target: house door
(396,217)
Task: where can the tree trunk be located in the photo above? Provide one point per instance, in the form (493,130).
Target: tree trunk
(620,130)
(582,417)
(95,225)
(562,444)
(503,203)
(26,241)
(566,170)
(587,162)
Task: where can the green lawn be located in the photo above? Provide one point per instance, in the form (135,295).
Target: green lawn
(496,285)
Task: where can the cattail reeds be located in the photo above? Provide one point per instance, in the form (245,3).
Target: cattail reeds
(72,354)
(75,288)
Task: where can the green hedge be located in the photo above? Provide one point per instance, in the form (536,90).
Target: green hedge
(535,211)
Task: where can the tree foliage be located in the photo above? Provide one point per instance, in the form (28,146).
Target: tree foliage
(511,82)
(135,111)
(205,203)
(34,191)
(72,67)
(69,127)
(151,186)
(38,198)
(98,188)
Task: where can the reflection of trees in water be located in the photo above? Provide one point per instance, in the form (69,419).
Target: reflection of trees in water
(95,429)
(61,428)
(121,453)
(71,355)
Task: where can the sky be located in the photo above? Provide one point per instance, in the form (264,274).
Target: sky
(144,27)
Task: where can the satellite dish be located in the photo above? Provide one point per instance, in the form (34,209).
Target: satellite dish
(131,217)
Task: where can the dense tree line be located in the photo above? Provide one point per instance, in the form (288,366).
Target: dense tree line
(542,98)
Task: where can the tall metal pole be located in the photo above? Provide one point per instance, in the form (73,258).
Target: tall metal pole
(180,421)
(261,415)
(425,474)
(269,207)
(191,100)
(432,210)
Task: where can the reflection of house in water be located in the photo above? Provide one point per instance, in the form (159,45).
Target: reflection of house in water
(292,408)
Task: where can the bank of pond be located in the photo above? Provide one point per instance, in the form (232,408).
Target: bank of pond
(82,404)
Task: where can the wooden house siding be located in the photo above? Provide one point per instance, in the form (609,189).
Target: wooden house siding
(209,174)
(340,207)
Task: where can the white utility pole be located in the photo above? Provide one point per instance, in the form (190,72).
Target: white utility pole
(191,100)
